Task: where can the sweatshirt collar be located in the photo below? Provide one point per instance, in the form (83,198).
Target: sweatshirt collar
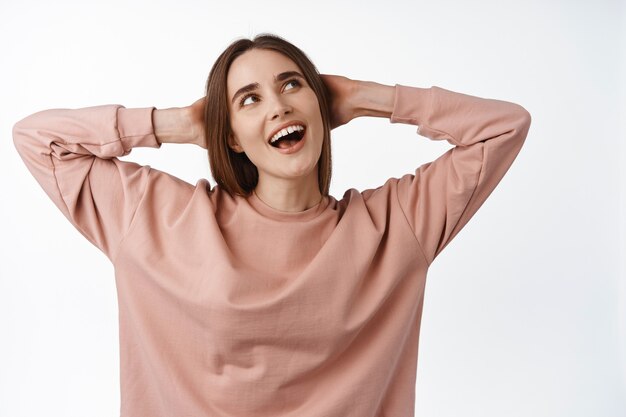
(267,211)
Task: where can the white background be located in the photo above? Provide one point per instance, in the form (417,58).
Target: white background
(525,310)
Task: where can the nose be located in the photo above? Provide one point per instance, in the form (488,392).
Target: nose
(279,107)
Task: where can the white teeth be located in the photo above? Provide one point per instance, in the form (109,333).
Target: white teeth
(286,131)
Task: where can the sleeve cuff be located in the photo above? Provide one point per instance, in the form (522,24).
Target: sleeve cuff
(135,128)
(411,105)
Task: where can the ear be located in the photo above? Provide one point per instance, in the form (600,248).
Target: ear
(234,145)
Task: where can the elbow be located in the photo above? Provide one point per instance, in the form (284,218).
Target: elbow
(18,133)
(523,120)
(21,134)
(25,130)
(24,134)
(524,116)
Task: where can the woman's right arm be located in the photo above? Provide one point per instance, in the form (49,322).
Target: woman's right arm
(72,153)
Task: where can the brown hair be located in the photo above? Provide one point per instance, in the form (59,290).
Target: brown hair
(233,171)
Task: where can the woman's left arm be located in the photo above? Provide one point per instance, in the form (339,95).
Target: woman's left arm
(441,196)
(354,98)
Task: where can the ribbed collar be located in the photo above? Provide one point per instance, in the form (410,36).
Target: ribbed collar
(289,216)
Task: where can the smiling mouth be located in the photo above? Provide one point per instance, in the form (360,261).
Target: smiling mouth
(289,140)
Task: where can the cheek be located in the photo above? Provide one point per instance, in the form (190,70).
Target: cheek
(315,109)
(239,128)
(319,120)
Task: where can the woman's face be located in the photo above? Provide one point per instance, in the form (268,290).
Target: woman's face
(257,114)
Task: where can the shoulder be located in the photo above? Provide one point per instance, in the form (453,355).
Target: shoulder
(168,193)
(381,199)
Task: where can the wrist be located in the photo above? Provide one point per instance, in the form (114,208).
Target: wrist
(373,99)
(169,125)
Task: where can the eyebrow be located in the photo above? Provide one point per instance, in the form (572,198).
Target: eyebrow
(253,86)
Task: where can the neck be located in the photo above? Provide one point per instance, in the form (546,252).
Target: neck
(291,195)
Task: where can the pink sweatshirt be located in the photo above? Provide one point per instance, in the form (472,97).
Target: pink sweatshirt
(230,308)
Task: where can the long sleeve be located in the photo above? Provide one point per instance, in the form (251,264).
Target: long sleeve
(72,153)
(442,196)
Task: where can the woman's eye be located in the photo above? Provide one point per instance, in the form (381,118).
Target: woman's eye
(295,82)
(243,100)
(242,103)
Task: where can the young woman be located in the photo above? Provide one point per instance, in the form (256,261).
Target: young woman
(264,295)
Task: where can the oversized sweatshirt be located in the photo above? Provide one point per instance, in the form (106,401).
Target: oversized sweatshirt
(231,308)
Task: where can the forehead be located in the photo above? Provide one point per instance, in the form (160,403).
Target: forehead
(257,66)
